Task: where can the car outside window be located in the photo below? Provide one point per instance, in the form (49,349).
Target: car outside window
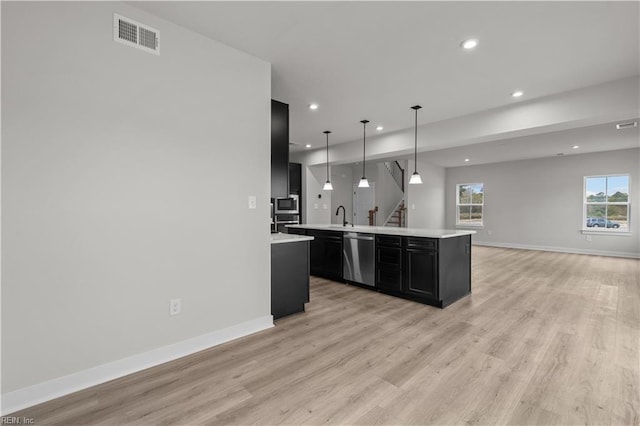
(606,203)
(469,204)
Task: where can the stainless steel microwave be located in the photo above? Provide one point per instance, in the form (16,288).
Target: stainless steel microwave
(286,205)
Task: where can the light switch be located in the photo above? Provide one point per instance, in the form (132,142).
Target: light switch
(252,201)
(315,205)
(324,206)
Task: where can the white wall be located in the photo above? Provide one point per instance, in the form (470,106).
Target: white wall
(425,203)
(538,203)
(121,189)
(342,195)
(318,210)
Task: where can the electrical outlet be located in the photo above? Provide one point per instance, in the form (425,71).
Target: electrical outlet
(489,232)
(175,306)
(587,237)
(325,207)
(315,205)
(252,201)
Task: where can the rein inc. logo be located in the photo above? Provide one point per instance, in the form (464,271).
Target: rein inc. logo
(16,420)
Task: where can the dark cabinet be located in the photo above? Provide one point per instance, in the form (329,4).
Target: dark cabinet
(295,178)
(279,149)
(434,271)
(297,231)
(289,278)
(428,270)
(389,262)
(422,272)
(326,254)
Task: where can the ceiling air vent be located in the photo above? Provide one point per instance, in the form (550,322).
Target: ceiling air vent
(626,125)
(134,34)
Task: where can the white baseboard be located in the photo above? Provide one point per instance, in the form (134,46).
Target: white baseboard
(46,391)
(559,249)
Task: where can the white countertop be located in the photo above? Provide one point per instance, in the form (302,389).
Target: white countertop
(281,238)
(385,230)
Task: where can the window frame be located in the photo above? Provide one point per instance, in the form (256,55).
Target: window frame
(458,205)
(585,204)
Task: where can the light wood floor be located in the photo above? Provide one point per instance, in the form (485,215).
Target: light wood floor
(546,338)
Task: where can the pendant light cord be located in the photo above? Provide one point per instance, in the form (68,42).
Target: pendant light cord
(415,146)
(364,144)
(327,133)
(415,157)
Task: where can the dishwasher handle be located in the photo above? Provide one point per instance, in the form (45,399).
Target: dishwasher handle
(354,236)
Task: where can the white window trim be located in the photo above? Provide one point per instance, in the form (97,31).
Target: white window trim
(467,225)
(605,231)
(588,231)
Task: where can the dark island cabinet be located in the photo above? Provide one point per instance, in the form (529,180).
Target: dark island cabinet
(389,262)
(437,271)
(434,271)
(421,273)
(429,270)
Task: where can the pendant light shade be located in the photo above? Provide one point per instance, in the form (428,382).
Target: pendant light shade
(415,177)
(327,185)
(364,183)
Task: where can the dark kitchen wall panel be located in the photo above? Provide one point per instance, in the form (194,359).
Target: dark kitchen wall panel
(279,149)
(295,178)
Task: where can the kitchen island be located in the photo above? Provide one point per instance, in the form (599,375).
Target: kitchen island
(431,266)
(289,274)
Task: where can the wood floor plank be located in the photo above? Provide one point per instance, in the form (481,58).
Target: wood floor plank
(545,338)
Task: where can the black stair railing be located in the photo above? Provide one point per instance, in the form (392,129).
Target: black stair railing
(397,172)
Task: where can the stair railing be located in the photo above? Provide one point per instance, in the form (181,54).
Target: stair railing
(402,216)
(373,216)
(397,172)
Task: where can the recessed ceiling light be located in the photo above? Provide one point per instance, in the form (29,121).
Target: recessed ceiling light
(313,106)
(307,146)
(575,146)
(379,128)
(517,94)
(466,160)
(469,44)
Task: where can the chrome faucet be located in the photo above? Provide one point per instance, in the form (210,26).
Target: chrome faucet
(344,215)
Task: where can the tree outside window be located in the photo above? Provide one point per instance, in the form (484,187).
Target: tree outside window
(470,203)
(606,203)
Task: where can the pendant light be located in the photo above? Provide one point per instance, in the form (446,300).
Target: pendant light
(327,185)
(364,183)
(415,177)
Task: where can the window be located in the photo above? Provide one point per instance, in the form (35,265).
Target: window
(606,203)
(469,203)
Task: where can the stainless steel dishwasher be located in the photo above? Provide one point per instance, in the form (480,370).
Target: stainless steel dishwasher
(358,255)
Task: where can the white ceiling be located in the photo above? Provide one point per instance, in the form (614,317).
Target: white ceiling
(603,137)
(375,60)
